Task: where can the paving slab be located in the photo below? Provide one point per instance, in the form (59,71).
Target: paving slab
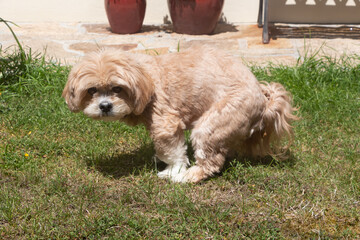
(68,42)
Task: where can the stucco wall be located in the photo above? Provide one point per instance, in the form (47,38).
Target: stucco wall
(235,11)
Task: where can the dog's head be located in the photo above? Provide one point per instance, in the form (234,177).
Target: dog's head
(108,85)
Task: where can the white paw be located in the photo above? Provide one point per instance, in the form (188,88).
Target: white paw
(179,178)
(193,175)
(172,171)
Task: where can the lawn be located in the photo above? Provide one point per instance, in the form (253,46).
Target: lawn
(65,176)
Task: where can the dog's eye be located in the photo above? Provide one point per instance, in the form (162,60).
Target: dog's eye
(92,91)
(116,89)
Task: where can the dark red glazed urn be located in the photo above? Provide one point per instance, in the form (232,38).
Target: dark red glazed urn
(125,16)
(195,16)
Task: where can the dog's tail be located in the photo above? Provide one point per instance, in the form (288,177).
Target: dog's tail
(275,123)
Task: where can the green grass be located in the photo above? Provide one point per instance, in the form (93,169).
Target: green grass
(64,176)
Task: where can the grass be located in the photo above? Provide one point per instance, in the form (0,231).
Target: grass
(64,176)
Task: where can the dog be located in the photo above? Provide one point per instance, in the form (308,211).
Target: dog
(201,89)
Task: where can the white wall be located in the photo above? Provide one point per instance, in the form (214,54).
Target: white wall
(235,11)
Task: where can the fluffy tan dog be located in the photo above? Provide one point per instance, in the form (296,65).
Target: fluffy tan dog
(201,89)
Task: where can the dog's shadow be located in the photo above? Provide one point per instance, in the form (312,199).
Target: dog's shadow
(269,161)
(125,164)
(253,162)
(133,163)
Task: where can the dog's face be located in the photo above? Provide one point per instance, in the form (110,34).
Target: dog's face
(107,102)
(108,86)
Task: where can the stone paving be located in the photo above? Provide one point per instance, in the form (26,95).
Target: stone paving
(68,42)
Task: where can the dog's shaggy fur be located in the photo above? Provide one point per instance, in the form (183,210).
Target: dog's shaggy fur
(201,89)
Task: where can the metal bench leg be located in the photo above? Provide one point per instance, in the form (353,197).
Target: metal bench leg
(266,37)
(260,15)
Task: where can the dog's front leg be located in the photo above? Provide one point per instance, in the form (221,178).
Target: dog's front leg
(169,141)
(177,163)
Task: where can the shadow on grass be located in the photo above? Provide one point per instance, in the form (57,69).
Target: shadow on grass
(132,163)
(124,164)
(268,161)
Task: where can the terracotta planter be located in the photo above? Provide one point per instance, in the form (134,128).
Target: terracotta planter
(125,16)
(195,16)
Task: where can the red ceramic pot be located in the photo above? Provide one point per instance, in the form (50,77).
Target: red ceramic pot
(125,16)
(195,16)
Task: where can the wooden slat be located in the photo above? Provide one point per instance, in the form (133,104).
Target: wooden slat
(314,32)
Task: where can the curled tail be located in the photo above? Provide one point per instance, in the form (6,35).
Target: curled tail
(275,123)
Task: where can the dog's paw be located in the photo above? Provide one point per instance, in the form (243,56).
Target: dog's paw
(194,175)
(172,171)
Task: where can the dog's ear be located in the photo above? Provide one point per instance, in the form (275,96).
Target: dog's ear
(141,85)
(143,92)
(73,91)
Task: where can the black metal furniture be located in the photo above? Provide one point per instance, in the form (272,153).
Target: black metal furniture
(263,20)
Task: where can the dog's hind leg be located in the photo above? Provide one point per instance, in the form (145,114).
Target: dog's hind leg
(212,137)
(204,168)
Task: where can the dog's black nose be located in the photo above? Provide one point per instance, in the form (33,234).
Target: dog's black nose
(105,107)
